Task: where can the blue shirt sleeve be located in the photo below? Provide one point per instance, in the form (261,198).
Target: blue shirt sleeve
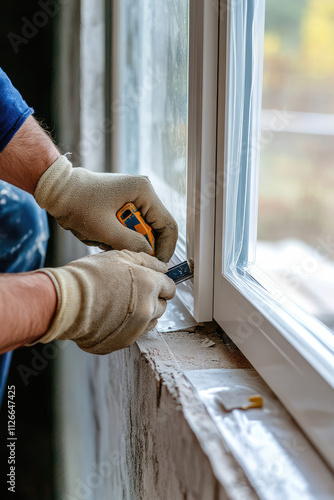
(13,110)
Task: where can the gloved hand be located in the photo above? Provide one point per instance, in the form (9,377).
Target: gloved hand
(106,301)
(86,203)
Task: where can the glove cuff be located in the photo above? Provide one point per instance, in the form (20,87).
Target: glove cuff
(68,304)
(50,184)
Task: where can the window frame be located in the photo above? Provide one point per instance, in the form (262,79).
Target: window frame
(294,362)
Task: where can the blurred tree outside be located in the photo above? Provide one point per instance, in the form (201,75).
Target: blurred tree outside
(296,194)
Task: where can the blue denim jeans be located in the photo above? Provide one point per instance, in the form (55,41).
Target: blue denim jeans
(24,234)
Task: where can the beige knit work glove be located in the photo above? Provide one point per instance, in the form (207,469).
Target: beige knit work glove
(86,203)
(106,301)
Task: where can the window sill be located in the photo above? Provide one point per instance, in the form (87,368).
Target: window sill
(136,411)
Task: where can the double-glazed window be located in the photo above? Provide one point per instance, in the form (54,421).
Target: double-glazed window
(227,107)
(161,105)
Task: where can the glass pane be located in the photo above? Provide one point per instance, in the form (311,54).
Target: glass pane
(244,87)
(295,245)
(153,107)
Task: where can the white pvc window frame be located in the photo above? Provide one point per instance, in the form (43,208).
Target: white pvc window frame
(196,294)
(292,351)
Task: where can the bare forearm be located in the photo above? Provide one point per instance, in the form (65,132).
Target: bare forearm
(27,306)
(27,156)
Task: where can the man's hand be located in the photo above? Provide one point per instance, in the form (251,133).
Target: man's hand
(27,156)
(86,203)
(106,301)
(27,305)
